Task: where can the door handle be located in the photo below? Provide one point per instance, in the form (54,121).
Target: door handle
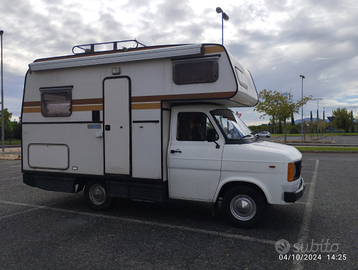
(175,151)
(107,127)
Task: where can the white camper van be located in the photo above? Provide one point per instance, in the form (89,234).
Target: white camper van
(152,123)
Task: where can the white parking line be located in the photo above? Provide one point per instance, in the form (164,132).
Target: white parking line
(303,234)
(151,223)
(304,231)
(12,178)
(19,213)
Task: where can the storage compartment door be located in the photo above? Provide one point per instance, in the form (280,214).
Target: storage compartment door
(117,126)
(48,156)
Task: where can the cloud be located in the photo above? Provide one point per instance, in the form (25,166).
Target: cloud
(276,40)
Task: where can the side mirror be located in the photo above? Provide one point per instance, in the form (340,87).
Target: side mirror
(211,135)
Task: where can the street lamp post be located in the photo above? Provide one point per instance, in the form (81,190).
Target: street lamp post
(225,17)
(302,107)
(324,119)
(355,114)
(2,98)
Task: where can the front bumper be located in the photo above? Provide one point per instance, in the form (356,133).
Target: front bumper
(293,196)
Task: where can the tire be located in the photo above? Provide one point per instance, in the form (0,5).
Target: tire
(244,206)
(96,195)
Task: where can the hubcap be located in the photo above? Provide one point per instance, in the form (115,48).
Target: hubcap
(97,194)
(243,207)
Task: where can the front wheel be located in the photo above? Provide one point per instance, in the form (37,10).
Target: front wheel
(96,195)
(244,206)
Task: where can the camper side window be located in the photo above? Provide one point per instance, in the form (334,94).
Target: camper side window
(56,102)
(192,126)
(195,71)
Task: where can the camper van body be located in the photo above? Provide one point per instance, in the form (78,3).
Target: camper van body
(110,123)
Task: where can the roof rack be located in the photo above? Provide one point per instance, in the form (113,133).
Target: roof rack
(104,46)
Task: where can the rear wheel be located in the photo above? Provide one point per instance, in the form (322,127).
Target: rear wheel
(244,206)
(96,195)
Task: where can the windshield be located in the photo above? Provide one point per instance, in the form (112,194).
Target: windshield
(231,125)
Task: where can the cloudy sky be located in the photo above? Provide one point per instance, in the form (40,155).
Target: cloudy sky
(277,40)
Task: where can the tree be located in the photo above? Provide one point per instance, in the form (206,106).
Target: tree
(293,126)
(342,119)
(16,130)
(278,106)
(7,117)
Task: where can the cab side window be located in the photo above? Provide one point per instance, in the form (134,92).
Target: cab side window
(192,126)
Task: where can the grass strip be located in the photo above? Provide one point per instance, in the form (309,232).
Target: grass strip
(327,149)
(307,135)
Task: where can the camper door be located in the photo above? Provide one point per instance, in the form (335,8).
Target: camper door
(117,125)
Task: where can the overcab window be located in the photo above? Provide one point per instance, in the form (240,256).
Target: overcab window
(204,70)
(56,101)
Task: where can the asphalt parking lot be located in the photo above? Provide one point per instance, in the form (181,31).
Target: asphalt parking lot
(48,230)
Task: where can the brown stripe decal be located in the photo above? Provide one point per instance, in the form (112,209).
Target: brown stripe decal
(183,97)
(145,106)
(151,102)
(78,105)
(87,101)
(87,108)
(74,109)
(32,110)
(32,103)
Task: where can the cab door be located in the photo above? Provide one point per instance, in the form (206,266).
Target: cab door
(194,164)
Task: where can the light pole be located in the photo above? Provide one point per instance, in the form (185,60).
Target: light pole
(2,98)
(225,17)
(302,108)
(324,119)
(355,114)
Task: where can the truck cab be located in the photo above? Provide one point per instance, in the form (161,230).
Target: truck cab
(213,156)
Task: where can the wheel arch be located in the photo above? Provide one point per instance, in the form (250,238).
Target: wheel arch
(232,184)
